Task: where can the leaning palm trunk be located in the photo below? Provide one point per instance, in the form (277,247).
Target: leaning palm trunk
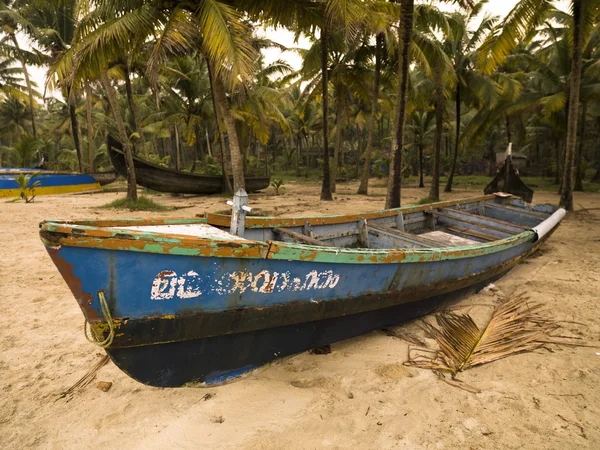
(27,83)
(405,32)
(434,193)
(75,132)
(326,186)
(90,128)
(566,195)
(114,106)
(237,166)
(363,188)
(226,181)
(455,157)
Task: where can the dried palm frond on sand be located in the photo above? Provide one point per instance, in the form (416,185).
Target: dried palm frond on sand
(516,326)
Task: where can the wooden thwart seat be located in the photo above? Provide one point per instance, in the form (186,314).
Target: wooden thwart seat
(413,239)
(471,233)
(490,219)
(515,209)
(298,237)
(478,221)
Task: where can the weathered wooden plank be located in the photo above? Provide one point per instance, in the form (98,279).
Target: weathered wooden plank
(472,233)
(523,216)
(408,237)
(484,219)
(308,231)
(400,221)
(297,237)
(449,240)
(477,223)
(363,233)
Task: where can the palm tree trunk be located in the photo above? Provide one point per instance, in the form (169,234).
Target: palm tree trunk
(421,183)
(455,157)
(27,83)
(566,196)
(227,188)
(557,177)
(298,155)
(90,127)
(579,155)
(363,188)
(339,111)
(114,106)
(405,32)
(133,108)
(237,164)
(326,187)
(75,130)
(177,149)
(307,155)
(434,193)
(492,156)
(208,143)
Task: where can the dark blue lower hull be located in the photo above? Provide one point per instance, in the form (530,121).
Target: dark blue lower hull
(216,359)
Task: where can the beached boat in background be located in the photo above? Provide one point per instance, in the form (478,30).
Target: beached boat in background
(106,177)
(177,301)
(50,182)
(507,180)
(163,179)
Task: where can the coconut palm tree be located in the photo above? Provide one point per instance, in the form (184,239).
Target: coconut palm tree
(405,37)
(12,21)
(214,27)
(525,17)
(461,46)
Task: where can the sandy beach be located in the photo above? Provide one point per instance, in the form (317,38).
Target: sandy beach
(359,396)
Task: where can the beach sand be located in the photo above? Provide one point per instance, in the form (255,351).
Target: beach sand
(359,396)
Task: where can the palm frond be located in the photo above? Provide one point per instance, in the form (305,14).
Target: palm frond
(516,326)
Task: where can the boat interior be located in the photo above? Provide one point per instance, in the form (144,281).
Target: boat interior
(447,224)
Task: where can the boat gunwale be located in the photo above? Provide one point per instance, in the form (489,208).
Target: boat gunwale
(266,221)
(55,233)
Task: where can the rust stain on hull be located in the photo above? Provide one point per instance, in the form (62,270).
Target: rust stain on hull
(84,299)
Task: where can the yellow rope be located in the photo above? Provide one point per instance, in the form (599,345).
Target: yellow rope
(97,337)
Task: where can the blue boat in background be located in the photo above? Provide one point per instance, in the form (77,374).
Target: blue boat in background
(175,301)
(50,182)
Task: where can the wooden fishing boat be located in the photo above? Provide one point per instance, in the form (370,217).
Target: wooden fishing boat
(184,300)
(162,179)
(106,177)
(50,182)
(507,180)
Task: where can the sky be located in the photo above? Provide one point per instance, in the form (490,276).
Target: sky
(286,38)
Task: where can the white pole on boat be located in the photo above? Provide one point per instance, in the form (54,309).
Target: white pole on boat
(238,215)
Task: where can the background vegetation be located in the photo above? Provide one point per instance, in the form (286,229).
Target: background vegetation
(411,90)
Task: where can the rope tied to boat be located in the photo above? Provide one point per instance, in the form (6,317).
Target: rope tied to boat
(96,337)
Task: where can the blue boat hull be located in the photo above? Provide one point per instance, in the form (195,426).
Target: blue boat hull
(50,183)
(218,359)
(207,306)
(211,339)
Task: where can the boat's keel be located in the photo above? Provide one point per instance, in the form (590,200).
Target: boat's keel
(217,359)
